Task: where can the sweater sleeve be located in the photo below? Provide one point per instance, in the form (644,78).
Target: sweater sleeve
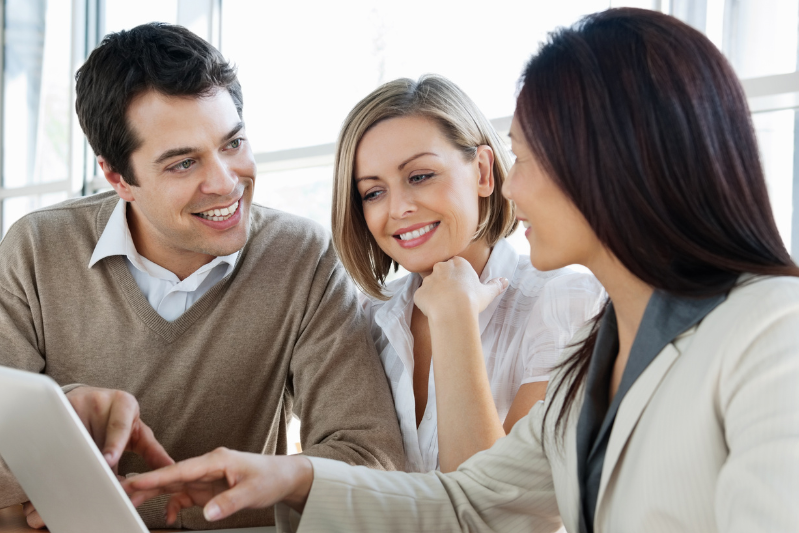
(508,487)
(20,347)
(340,390)
(22,343)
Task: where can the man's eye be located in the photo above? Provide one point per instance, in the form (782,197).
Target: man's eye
(186,164)
(235,143)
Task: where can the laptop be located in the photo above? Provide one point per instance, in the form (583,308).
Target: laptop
(56,462)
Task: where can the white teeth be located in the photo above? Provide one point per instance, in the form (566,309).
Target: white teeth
(525,224)
(415,234)
(218,215)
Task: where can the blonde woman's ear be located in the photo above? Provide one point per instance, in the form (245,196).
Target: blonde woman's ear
(485,167)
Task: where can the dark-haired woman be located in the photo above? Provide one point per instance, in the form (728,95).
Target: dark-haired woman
(678,408)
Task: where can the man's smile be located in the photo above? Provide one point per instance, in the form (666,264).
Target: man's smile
(219,214)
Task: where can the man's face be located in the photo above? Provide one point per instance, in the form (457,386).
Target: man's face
(195,173)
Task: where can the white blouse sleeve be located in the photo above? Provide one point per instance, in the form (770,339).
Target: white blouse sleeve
(566,303)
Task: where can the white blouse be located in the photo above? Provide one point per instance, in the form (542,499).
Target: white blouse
(523,332)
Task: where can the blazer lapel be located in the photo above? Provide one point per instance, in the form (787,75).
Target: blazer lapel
(630,411)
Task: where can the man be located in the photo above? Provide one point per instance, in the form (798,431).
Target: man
(175,311)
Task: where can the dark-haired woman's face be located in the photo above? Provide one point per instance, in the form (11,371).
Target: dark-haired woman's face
(557,232)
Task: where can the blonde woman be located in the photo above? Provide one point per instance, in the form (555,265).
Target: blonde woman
(468,338)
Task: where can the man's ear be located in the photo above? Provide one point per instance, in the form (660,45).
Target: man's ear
(485,165)
(115,179)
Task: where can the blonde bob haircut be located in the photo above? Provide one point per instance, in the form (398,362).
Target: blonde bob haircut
(436,98)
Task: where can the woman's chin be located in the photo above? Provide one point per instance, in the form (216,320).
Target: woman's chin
(422,268)
(544,263)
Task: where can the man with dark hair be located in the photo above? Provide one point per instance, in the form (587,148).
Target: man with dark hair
(177,316)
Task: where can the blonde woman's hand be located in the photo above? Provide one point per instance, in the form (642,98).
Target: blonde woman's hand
(454,287)
(225,481)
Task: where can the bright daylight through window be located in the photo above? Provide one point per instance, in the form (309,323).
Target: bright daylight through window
(302,70)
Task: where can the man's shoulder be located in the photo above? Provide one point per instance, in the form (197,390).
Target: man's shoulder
(72,220)
(274,228)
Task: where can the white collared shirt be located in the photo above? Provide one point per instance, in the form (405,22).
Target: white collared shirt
(523,332)
(168,295)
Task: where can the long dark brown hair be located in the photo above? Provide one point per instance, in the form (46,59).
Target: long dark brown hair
(643,124)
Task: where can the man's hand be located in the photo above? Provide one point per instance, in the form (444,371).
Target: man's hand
(226,481)
(34,520)
(112,419)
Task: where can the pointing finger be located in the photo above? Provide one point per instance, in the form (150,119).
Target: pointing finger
(123,413)
(232,500)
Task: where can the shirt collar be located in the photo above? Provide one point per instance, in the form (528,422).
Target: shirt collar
(501,263)
(117,240)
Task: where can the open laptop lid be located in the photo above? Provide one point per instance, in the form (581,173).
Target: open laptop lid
(55,460)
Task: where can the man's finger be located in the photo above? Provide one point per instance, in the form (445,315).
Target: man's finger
(140,496)
(146,445)
(123,414)
(34,520)
(175,504)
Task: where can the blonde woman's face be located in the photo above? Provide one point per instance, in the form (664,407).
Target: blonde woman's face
(420,194)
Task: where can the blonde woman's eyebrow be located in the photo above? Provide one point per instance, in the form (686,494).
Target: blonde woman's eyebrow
(401,165)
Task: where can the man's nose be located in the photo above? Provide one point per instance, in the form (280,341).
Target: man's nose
(220,178)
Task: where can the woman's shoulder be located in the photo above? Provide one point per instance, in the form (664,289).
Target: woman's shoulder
(760,296)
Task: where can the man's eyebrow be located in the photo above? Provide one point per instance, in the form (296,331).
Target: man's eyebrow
(234,131)
(185,150)
(174,152)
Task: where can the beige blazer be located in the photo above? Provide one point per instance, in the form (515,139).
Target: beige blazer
(707,439)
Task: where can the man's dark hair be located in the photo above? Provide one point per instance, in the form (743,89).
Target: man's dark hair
(159,57)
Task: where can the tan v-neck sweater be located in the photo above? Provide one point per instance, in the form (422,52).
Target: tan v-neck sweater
(282,333)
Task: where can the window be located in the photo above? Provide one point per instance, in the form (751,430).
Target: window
(36,107)
(303,69)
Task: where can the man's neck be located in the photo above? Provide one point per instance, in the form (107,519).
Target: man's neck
(182,263)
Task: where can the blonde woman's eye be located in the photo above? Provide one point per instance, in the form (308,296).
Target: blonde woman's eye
(370,196)
(418,178)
